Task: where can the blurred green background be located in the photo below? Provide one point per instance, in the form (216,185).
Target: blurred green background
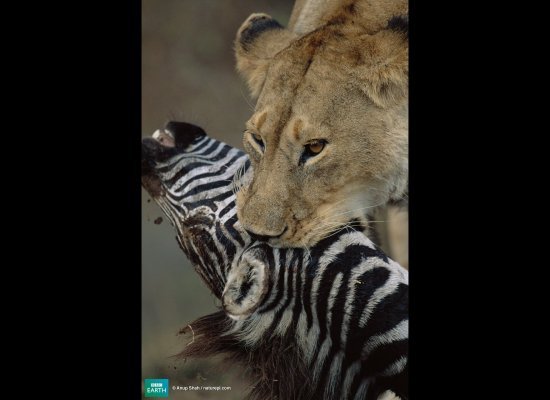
(188,74)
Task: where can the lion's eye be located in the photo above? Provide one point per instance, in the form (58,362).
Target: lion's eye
(258,139)
(312,149)
(315,147)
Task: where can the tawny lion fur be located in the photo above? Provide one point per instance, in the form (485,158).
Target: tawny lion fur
(345,82)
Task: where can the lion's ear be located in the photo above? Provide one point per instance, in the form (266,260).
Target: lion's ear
(259,38)
(383,67)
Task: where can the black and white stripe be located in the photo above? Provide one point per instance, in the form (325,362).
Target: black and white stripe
(342,305)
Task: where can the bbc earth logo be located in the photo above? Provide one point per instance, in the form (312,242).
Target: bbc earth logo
(156,387)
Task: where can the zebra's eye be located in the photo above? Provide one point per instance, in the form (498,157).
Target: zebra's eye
(312,149)
(258,139)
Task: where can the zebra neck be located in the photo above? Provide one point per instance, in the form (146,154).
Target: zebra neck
(333,317)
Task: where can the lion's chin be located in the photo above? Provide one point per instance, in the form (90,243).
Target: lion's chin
(301,240)
(309,234)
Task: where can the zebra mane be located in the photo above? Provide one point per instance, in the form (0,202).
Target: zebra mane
(320,323)
(276,366)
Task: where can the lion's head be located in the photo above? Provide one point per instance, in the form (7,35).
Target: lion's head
(328,139)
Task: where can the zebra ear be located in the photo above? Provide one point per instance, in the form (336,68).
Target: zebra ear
(246,286)
(184,133)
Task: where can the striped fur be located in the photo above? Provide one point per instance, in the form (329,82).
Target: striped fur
(330,322)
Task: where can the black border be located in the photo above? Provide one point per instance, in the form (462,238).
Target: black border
(77,147)
(452,218)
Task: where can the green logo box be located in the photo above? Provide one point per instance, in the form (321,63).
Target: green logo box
(156,387)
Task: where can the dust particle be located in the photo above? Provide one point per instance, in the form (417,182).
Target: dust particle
(158,221)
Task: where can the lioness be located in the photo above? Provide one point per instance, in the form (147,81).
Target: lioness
(328,139)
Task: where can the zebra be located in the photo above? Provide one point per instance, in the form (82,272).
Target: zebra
(329,322)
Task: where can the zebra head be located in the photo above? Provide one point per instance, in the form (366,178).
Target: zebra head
(192,177)
(320,323)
